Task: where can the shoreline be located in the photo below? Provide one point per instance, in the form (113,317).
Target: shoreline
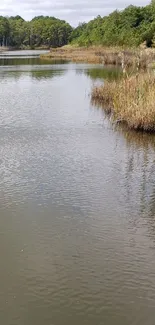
(12,49)
(129,100)
(117,56)
(3,49)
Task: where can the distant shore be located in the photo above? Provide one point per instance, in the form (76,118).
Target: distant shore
(27,48)
(107,56)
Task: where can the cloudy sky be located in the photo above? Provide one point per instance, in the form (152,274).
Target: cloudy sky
(73,11)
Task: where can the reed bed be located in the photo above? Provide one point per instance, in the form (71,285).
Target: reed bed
(130,100)
(102,55)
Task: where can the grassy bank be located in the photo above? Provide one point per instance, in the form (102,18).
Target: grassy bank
(106,56)
(130,100)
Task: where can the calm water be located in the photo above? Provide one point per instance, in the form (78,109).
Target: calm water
(77,202)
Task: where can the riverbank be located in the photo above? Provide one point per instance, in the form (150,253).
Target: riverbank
(107,56)
(3,49)
(130,100)
(25,48)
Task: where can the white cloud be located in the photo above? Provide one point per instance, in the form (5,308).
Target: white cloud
(73,11)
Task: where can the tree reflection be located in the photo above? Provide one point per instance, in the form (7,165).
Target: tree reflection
(34,74)
(139,173)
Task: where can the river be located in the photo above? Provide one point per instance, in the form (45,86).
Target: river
(77,201)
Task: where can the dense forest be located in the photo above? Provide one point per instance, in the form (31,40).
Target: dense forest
(130,27)
(40,31)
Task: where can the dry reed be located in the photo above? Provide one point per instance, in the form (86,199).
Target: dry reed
(130,100)
(102,55)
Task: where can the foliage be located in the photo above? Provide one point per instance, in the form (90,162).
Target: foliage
(4,30)
(41,31)
(130,27)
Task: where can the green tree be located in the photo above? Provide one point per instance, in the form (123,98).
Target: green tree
(4,31)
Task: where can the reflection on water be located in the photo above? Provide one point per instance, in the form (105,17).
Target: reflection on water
(28,61)
(141,148)
(23,53)
(77,202)
(110,73)
(99,72)
(46,74)
(36,74)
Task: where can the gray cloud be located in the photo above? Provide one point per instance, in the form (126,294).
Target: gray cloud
(73,11)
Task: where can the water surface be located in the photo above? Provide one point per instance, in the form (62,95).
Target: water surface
(77,202)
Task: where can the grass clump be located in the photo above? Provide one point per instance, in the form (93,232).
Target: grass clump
(130,100)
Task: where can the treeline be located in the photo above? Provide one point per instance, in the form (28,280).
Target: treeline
(40,31)
(130,27)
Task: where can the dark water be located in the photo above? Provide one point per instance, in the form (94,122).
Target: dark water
(77,202)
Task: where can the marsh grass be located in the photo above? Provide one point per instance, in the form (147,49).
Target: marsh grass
(102,55)
(130,100)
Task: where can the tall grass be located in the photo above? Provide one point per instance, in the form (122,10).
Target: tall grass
(130,100)
(110,56)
